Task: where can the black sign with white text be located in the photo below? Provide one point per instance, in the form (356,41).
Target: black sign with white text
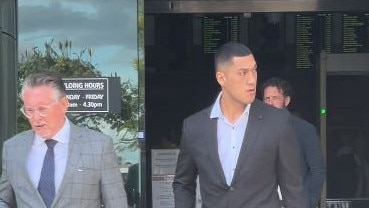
(93,95)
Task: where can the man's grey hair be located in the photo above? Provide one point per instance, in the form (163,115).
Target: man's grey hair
(45,78)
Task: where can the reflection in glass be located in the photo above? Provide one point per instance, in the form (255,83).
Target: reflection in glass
(88,39)
(347,137)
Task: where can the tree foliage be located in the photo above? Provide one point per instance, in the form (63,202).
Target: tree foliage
(123,125)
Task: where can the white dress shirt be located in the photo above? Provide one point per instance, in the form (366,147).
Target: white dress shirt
(38,152)
(230,138)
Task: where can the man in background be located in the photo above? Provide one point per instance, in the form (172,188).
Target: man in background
(277,92)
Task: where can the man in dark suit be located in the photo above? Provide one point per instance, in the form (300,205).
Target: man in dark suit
(240,148)
(57,164)
(277,92)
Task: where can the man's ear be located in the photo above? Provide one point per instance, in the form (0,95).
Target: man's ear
(65,102)
(220,77)
(287,101)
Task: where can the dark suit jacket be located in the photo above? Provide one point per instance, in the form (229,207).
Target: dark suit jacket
(91,178)
(313,163)
(269,156)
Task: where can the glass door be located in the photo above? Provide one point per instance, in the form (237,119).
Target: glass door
(347,132)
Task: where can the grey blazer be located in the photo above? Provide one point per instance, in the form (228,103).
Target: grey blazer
(92,177)
(269,157)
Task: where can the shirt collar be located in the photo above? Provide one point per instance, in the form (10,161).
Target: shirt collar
(62,136)
(216,111)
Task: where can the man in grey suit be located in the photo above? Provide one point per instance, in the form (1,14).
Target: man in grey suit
(240,148)
(80,169)
(278,92)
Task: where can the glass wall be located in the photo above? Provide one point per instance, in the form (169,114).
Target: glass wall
(90,39)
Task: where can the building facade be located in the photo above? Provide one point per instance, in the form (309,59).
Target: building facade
(160,52)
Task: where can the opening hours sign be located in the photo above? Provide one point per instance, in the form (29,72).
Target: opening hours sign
(93,95)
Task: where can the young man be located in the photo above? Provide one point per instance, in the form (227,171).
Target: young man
(277,92)
(240,148)
(57,164)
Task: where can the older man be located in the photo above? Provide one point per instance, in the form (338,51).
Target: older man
(57,164)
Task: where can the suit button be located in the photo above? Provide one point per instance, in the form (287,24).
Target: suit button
(231,188)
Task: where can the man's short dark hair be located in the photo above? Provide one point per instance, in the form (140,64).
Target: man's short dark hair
(280,84)
(228,51)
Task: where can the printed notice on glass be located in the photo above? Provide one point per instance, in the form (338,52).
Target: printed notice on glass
(92,95)
(164,161)
(162,191)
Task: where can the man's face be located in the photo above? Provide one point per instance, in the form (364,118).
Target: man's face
(238,79)
(46,113)
(273,96)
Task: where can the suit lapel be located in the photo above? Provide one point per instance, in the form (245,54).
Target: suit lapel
(213,151)
(23,151)
(74,148)
(252,130)
(211,136)
(23,157)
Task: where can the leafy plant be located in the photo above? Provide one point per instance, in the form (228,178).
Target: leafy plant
(123,125)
